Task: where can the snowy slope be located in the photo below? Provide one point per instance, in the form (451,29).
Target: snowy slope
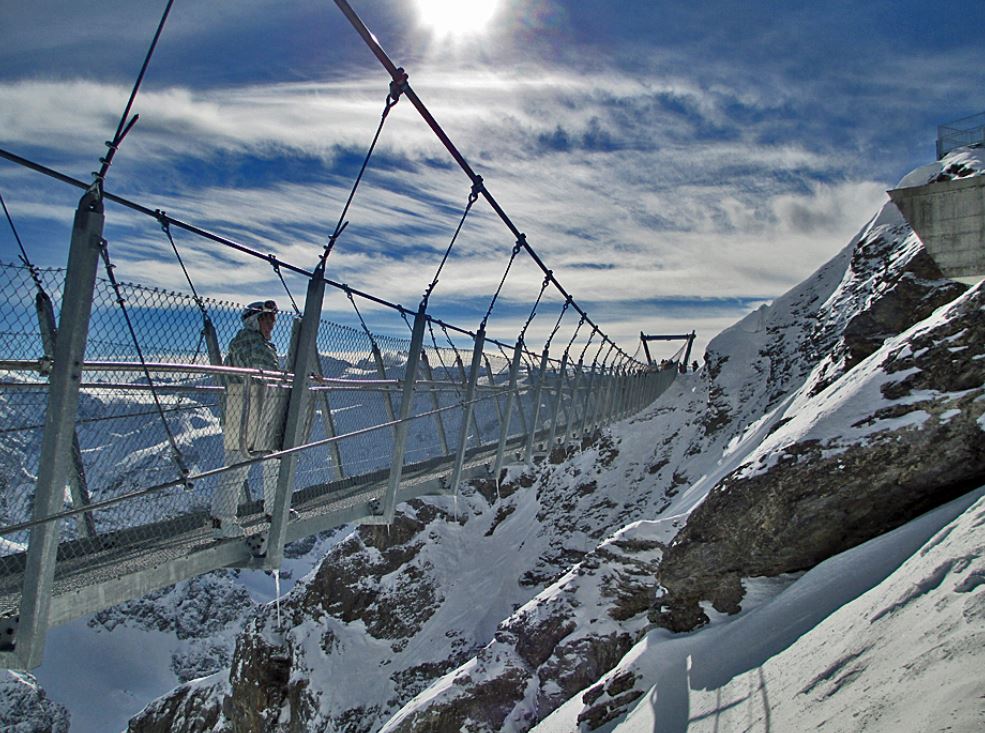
(884,637)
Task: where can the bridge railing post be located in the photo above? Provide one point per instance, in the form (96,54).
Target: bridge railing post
(468,407)
(585,422)
(535,421)
(621,396)
(59,427)
(465,379)
(406,405)
(601,390)
(439,423)
(492,383)
(571,410)
(296,423)
(612,404)
(520,394)
(77,484)
(327,420)
(558,396)
(381,370)
(504,431)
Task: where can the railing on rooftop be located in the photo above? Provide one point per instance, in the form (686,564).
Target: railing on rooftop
(959,133)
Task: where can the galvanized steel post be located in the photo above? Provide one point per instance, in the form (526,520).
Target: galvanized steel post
(406,405)
(296,424)
(557,401)
(54,464)
(435,404)
(510,400)
(535,422)
(467,414)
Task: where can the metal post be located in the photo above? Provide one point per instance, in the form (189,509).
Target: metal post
(467,413)
(646,348)
(519,401)
(589,402)
(211,342)
(557,401)
(328,422)
(510,400)
(296,424)
(381,370)
(492,383)
(690,343)
(435,404)
(461,373)
(598,414)
(571,418)
(535,423)
(610,396)
(406,404)
(622,386)
(77,485)
(56,448)
(607,399)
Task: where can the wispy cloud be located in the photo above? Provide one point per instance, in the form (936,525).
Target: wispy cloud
(644,174)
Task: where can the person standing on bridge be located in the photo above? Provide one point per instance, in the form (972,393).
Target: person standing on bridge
(252,417)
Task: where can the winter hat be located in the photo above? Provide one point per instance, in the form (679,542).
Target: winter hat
(251,313)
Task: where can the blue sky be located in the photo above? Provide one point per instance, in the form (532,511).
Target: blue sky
(675,164)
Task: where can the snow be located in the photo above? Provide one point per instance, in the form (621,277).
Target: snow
(828,652)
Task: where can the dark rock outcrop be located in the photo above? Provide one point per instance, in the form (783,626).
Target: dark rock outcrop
(820,498)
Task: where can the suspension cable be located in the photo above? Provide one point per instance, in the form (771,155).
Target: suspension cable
(492,303)
(581,322)
(591,336)
(437,351)
(274,263)
(369,334)
(206,319)
(533,311)
(458,356)
(473,197)
(393,96)
(125,126)
(166,227)
(121,301)
(35,274)
(557,325)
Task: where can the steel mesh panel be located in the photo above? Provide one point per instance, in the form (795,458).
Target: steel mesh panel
(125,455)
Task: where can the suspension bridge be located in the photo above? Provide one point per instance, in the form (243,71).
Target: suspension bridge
(111,392)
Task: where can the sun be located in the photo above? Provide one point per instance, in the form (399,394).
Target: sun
(456,17)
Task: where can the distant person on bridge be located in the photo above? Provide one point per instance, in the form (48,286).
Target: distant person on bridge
(251,417)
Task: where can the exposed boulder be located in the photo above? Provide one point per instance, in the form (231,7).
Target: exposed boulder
(26,708)
(193,707)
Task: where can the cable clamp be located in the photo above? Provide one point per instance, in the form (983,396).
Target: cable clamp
(397,87)
(477,188)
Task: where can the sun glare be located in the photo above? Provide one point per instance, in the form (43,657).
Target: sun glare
(456,17)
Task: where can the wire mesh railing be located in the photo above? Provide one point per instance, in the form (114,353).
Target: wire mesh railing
(959,133)
(125,488)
